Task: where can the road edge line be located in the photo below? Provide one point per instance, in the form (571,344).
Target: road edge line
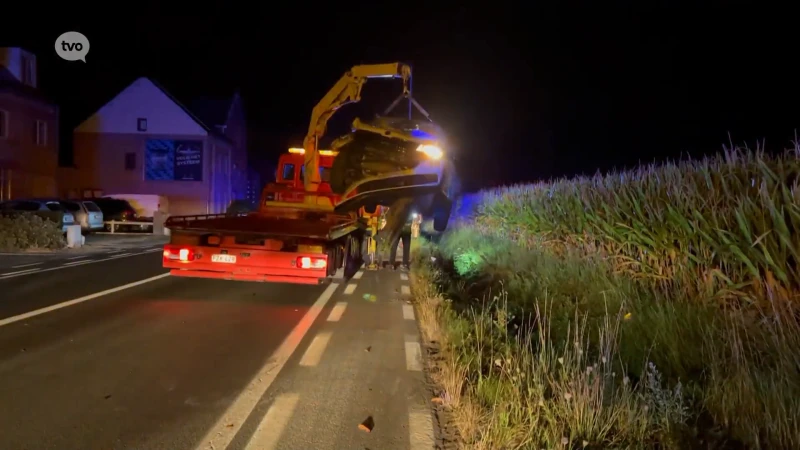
(47,309)
(222,433)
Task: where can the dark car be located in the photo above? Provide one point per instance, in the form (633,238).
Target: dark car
(46,208)
(115,209)
(118,210)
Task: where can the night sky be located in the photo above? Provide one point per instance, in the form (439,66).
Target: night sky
(526,92)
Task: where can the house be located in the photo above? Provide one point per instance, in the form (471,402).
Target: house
(144,141)
(28,129)
(226,115)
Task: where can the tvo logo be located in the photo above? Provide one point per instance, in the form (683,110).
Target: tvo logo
(72,46)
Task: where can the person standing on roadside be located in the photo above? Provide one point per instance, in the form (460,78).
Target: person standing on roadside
(405,236)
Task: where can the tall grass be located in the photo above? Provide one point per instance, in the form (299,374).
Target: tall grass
(662,300)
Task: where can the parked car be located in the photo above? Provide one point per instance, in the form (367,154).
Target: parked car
(45,208)
(119,210)
(87,214)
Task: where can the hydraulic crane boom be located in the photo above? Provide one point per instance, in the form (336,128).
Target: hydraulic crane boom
(346,90)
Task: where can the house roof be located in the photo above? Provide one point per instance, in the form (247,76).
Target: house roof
(212,110)
(8,83)
(210,129)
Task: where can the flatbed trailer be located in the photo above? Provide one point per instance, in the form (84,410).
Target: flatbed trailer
(307,247)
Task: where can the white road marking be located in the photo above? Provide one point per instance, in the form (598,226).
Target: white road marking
(120,255)
(313,354)
(413,354)
(405,290)
(337,311)
(19,272)
(40,311)
(420,428)
(404,276)
(358,275)
(15,274)
(78,257)
(350,288)
(269,431)
(220,435)
(151,250)
(75,263)
(26,265)
(408,312)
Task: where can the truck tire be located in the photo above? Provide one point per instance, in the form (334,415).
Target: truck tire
(352,255)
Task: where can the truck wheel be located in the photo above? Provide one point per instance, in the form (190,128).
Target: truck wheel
(352,256)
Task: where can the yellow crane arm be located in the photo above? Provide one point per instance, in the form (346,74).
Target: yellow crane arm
(346,90)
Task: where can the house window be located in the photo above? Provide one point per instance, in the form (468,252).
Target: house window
(3,124)
(141,124)
(41,132)
(130,161)
(28,71)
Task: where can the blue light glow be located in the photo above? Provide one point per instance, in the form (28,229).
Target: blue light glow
(419,134)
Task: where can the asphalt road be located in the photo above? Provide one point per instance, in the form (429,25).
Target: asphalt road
(114,353)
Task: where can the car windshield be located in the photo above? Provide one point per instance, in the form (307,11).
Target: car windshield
(71,206)
(54,206)
(91,206)
(112,206)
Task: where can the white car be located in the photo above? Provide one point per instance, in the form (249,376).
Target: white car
(87,214)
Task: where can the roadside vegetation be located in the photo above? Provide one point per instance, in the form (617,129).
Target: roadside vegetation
(21,231)
(652,308)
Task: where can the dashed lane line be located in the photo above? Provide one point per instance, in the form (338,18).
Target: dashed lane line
(77,263)
(420,428)
(78,257)
(413,354)
(408,312)
(228,425)
(47,309)
(269,431)
(26,265)
(350,288)
(314,352)
(404,276)
(120,255)
(6,276)
(337,311)
(405,290)
(19,272)
(358,275)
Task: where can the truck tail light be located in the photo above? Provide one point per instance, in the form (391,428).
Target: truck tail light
(182,254)
(309,262)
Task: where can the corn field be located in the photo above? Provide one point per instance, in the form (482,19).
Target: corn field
(725,226)
(694,265)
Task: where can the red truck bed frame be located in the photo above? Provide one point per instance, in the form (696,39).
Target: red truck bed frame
(258,247)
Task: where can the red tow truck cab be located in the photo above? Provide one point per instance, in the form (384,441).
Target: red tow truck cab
(288,185)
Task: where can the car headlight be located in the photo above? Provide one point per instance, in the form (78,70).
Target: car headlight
(432,151)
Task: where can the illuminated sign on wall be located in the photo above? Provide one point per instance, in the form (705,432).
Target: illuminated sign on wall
(173,160)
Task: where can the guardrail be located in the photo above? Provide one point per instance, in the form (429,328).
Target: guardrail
(113,224)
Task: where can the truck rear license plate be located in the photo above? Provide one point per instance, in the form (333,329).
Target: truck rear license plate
(223,258)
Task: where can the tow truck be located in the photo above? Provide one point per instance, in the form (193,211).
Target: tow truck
(311,233)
